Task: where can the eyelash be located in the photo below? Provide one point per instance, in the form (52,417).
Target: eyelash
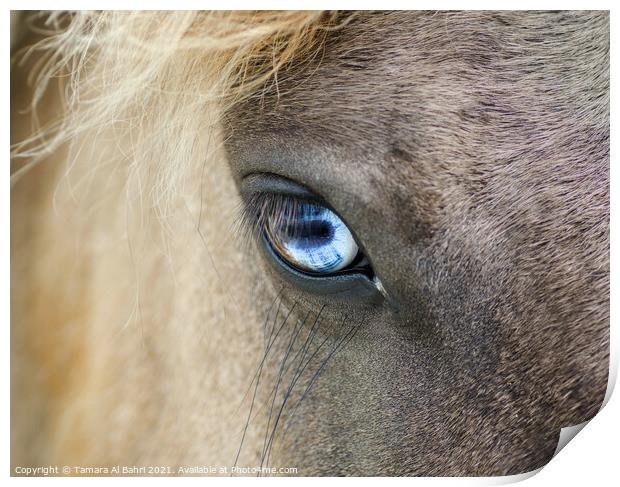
(265,210)
(258,207)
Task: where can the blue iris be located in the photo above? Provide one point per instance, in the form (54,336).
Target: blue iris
(312,238)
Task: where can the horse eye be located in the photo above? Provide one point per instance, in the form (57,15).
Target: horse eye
(310,237)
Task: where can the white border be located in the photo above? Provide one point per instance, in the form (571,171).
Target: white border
(590,459)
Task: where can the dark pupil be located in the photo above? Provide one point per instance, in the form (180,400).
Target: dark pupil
(309,230)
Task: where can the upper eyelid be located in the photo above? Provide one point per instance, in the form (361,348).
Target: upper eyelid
(268,183)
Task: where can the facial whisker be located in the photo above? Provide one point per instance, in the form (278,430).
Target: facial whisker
(304,349)
(274,393)
(260,369)
(278,296)
(341,344)
(298,374)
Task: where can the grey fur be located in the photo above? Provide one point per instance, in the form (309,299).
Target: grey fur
(469,151)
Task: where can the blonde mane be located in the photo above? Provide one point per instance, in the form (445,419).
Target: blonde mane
(119,141)
(157,76)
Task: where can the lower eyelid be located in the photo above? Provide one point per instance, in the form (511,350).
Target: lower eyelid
(348,286)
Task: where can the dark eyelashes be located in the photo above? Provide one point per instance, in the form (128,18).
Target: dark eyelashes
(257,208)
